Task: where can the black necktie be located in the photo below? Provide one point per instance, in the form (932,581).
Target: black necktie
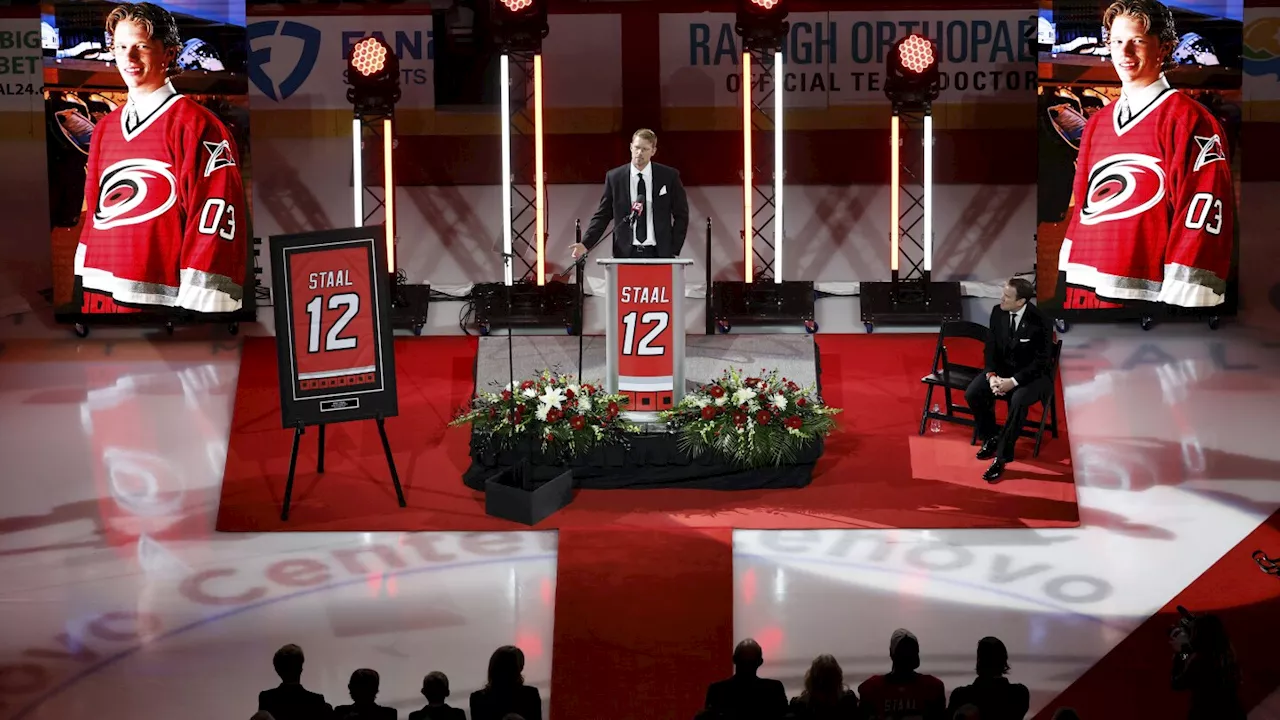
(642,223)
(1013,323)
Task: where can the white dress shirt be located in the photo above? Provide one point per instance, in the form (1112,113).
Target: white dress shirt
(647,173)
(1132,103)
(138,109)
(1017,322)
(1017,316)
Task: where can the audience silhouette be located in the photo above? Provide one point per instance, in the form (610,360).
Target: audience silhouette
(903,692)
(746,696)
(291,701)
(505,692)
(435,688)
(991,692)
(364,690)
(900,694)
(825,695)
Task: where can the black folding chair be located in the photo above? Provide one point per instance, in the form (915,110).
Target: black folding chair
(1048,420)
(952,376)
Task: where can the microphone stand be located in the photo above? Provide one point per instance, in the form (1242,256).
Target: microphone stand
(582,294)
(524,469)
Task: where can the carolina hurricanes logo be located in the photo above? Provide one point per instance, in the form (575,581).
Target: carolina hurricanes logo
(134,191)
(1122,186)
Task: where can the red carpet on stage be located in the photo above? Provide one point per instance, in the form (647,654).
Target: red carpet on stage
(643,622)
(876,473)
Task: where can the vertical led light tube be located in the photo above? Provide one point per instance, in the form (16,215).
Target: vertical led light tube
(777,166)
(539,182)
(389,194)
(928,193)
(893,196)
(505,83)
(747,182)
(357,173)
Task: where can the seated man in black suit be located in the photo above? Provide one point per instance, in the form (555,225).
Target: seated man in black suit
(1017,365)
(746,696)
(435,688)
(290,701)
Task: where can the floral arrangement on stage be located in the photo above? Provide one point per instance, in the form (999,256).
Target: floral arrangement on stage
(751,421)
(554,412)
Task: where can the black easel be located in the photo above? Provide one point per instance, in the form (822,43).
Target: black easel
(299,430)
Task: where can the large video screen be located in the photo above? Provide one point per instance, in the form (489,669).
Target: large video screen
(147,128)
(1139,123)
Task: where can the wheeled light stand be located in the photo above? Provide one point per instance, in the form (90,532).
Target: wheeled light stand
(409,302)
(913,299)
(755,300)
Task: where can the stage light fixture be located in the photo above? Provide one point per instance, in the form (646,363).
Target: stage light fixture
(913,80)
(373,71)
(762,24)
(519,25)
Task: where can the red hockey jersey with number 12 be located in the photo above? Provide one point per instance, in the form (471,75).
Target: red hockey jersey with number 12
(167,222)
(1155,206)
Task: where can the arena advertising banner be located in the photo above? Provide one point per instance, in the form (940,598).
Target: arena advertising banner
(300,63)
(1139,161)
(838,59)
(20,65)
(147,131)
(1262,57)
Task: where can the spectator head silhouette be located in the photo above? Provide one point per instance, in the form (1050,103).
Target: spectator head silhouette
(1066,713)
(967,712)
(904,650)
(506,666)
(824,681)
(262,715)
(747,657)
(288,663)
(993,658)
(512,716)
(435,687)
(363,686)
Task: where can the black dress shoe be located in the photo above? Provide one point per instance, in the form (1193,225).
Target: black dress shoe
(993,473)
(988,449)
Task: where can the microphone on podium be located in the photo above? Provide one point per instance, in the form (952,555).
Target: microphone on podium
(636,207)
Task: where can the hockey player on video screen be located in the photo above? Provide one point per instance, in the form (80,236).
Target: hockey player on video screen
(1154,199)
(166,221)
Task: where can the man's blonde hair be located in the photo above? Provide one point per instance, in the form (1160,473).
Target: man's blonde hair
(646,134)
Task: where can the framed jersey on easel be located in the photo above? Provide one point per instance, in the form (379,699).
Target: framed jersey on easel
(333,327)
(333,336)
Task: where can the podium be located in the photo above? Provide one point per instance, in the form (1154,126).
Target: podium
(644,333)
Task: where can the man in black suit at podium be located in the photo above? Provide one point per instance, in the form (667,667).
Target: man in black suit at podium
(1017,364)
(647,204)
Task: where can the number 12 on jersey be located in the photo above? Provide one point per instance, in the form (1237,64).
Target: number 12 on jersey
(655,321)
(333,339)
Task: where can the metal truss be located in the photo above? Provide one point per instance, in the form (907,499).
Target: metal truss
(911,192)
(374,205)
(524,207)
(763,167)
